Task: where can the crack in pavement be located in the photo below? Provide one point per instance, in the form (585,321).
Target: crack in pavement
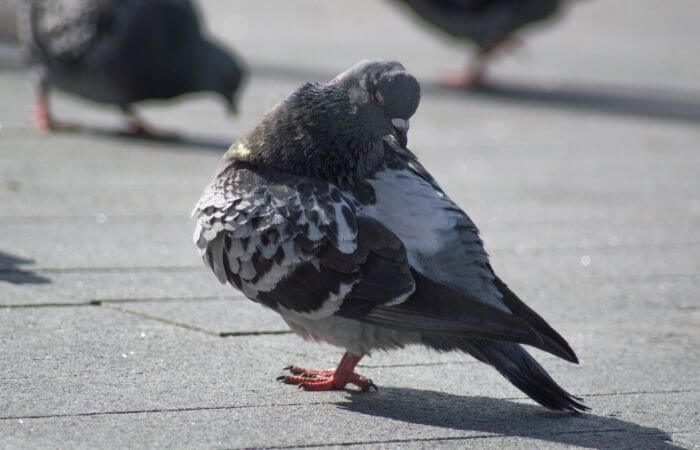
(456,438)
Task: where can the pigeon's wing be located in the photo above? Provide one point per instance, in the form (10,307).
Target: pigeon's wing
(297,246)
(265,232)
(443,243)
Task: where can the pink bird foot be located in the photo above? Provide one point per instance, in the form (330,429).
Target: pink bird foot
(329,379)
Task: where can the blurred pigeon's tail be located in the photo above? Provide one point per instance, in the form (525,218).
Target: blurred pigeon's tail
(515,363)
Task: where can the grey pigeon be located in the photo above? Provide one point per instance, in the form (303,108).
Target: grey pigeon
(488,24)
(123,52)
(322,214)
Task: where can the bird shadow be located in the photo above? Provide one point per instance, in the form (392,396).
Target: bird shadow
(173,141)
(500,417)
(650,103)
(12,273)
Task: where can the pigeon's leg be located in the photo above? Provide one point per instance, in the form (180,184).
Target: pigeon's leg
(43,119)
(475,71)
(330,379)
(468,76)
(136,126)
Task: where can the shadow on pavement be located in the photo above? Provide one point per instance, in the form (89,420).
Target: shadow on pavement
(174,141)
(605,99)
(11,273)
(621,101)
(504,418)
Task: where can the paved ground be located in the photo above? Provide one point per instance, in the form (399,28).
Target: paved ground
(580,164)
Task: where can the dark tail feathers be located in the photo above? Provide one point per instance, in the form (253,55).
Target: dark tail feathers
(516,364)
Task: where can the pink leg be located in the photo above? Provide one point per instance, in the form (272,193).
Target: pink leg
(475,72)
(326,380)
(43,119)
(466,77)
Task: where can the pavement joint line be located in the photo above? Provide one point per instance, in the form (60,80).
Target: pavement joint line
(121,300)
(457,438)
(425,364)
(66,219)
(142,315)
(605,249)
(496,251)
(226,334)
(193,269)
(155,411)
(190,327)
(612,394)
(115,269)
(233,407)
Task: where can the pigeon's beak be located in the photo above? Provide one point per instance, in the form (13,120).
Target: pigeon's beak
(232,107)
(401,130)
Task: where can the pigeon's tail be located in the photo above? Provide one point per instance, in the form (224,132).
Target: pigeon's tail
(515,363)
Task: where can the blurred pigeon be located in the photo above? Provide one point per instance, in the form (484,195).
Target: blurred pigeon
(322,214)
(122,52)
(488,24)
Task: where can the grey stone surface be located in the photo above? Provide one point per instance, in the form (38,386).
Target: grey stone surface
(85,286)
(220,317)
(579,164)
(390,418)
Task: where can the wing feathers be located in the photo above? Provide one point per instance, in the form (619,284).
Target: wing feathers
(553,342)
(437,309)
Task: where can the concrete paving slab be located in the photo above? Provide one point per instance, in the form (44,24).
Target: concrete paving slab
(22,286)
(163,242)
(610,362)
(223,317)
(579,166)
(390,418)
(77,360)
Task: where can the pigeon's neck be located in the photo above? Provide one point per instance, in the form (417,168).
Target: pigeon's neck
(306,135)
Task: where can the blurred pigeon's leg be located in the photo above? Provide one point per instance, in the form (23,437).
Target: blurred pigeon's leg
(468,76)
(43,119)
(136,126)
(329,379)
(475,72)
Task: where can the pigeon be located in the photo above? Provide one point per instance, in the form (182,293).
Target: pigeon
(488,24)
(322,214)
(122,52)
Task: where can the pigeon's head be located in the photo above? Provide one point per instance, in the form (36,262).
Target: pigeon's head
(379,98)
(335,130)
(219,71)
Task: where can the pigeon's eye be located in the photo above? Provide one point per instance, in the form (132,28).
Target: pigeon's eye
(377,97)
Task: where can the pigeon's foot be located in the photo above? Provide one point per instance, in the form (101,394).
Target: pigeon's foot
(43,120)
(465,78)
(329,379)
(138,128)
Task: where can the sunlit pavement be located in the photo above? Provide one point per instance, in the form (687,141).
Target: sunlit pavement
(580,163)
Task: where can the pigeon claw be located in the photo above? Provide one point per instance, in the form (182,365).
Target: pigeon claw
(325,380)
